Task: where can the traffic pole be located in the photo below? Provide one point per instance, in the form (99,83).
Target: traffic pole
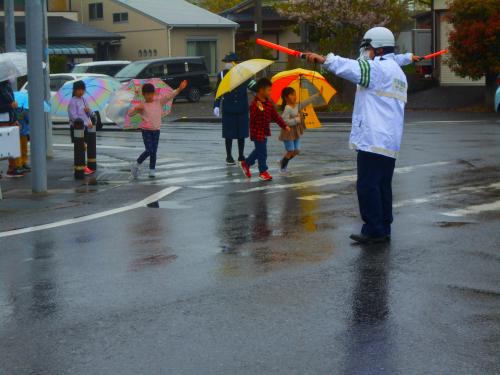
(79,148)
(10,31)
(46,73)
(34,45)
(258,26)
(92,148)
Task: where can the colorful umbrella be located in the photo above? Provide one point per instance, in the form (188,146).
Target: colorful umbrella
(13,65)
(97,94)
(22,99)
(135,87)
(306,83)
(241,73)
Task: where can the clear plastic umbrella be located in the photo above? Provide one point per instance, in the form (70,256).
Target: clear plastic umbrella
(118,106)
(13,65)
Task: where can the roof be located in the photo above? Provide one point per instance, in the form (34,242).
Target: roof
(64,29)
(162,59)
(244,12)
(178,13)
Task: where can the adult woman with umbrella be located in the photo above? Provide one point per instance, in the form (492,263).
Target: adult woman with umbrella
(234,112)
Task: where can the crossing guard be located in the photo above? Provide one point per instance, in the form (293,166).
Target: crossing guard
(377,126)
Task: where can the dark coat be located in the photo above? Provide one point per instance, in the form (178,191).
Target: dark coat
(234,110)
(6,100)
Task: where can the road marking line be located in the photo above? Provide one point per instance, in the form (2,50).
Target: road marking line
(189,170)
(317,197)
(69,145)
(337,179)
(432,197)
(475,209)
(152,198)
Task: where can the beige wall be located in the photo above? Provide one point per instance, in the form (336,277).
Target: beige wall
(223,36)
(440,4)
(140,32)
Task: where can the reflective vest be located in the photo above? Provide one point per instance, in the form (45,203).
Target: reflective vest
(378,116)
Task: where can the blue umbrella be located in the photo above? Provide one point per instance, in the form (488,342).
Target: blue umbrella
(22,99)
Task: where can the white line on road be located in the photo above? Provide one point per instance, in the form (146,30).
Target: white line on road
(337,179)
(70,145)
(475,209)
(152,198)
(436,196)
(317,197)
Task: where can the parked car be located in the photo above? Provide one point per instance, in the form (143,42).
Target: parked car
(172,71)
(57,81)
(109,68)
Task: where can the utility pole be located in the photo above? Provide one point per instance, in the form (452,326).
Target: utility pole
(46,74)
(258,26)
(34,46)
(10,30)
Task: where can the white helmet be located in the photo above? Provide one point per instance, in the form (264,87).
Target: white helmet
(378,37)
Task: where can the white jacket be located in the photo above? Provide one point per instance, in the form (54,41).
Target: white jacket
(378,116)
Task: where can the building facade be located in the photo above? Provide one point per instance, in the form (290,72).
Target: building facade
(158,28)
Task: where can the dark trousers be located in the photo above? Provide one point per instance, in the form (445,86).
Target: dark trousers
(151,139)
(374,188)
(259,154)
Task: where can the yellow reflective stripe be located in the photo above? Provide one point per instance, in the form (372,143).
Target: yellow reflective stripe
(393,95)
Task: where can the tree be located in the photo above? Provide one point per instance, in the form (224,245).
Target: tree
(475,41)
(339,24)
(216,6)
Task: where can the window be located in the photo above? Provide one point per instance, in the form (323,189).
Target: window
(140,53)
(154,71)
(96,11)
(176,68)
(207,49)
(155,53)
(197,66)
(120,17)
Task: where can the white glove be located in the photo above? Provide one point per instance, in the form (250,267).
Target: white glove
(216,112)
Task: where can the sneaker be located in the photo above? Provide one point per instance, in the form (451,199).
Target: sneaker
(16,173)
(265,176)
(152,173)
(24,169)
(230,161)
(87,171)
(241,158)
(284,170)
(27,167)
(246,169)
(134,171)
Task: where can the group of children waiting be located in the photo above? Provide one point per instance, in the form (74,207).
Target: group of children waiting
(262,113)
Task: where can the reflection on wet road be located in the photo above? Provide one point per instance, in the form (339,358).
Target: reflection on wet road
(226,276)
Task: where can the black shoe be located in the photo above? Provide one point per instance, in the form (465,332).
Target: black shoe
(241,158)
(230,161)
(362,239)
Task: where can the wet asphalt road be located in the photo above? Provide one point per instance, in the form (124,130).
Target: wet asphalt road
(226,276)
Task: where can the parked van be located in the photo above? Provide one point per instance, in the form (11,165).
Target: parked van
(172,71)
(109,68)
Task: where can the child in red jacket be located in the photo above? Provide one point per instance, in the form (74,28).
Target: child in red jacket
(262,113)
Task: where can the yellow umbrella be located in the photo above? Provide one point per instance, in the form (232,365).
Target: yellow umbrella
(241,73)
(305,82)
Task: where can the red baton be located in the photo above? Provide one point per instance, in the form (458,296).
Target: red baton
(435,54)
(277,47)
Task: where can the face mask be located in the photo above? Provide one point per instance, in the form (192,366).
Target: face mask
(229,65)
(364,53)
